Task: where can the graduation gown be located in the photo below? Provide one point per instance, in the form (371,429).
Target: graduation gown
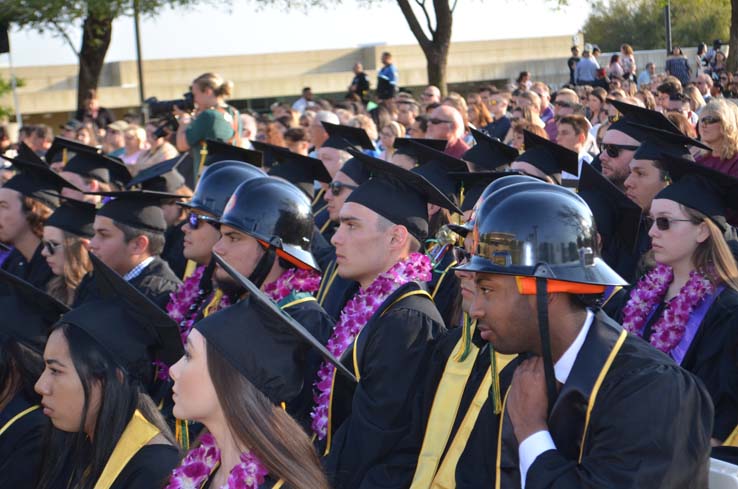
(22,424)
(36,271)
(149,468)
(649,426)
(173,246)
(445,289)
(157,281)
(321,249)
(389,357)
(335,291)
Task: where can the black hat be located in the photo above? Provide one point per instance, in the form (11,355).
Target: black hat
(37,182)
(405,146)
(489,153)
(435,165)
(398,195)
(355,170)
(218,182)
(162,177)
(100,167)
(140,209)
(61,145)
(593,185)
(271,153)
(25,153)
(551,158)
(28,312)
(218,151)
(125,323)
(301,171)
(262,342)
(709,191)
(74,216)
(474,183)
(644,117)
(344,137)
(658,141)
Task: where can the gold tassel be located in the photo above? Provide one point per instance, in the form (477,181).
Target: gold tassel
(494,387)
(462,195)
(466,334)
(203,155)
(65,157)
(210,308)
(189,269)
(182,433)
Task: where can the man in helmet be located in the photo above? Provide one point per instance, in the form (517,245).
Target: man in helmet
(266,231)
(573,415)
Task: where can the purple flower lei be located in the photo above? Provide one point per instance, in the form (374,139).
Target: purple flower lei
(354,316)
(293,280)
(199,463)
(650,291)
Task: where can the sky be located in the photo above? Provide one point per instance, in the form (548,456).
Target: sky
(242,29)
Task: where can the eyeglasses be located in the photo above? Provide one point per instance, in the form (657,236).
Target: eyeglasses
(50,246)
(561,103)
(424,94)
(194,219)
(336,187)
(710,120)
(613,150)
(663,223)
(438,121)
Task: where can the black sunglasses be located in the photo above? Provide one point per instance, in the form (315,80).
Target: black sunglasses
(50,246)
(194,219)
(336,187)
(613,150)
(436,122)
(564,104)
(663,223)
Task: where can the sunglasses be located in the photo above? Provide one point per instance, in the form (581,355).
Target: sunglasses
(438,121)
(613,150)
(710,120)
(426,94)
(336,187)
(663,223)
(194,220)
(561,103)
(51,247)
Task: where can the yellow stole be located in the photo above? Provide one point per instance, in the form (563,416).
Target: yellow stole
(137,434)
(18,416)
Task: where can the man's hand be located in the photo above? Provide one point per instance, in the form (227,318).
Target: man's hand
(527,402)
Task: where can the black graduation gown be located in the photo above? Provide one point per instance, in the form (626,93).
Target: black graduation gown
(321,249)
(173,246)
(320,325)
(149,468)
(157,281)
(20,445)
(446,290)
(335,291)
(391,359)
(649,427)
(36,271)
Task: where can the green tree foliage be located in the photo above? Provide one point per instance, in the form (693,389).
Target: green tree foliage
(641,23)
(5,88)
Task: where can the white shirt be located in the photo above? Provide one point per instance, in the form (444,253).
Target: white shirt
(136,271)
(541,441)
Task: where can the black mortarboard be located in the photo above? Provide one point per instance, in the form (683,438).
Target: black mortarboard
(549,157)
(25,153)
(398,195)
(594,186)
(344,137)
(125,323)
(355,170)
(270,153)
(435,165)
(59,144)
(28,312)
(74,216)
(405,146)
(100,167)
(162,177)
(489,153)
(657,142)
(218,151)
(474,183)
(709,191)
(140,209)
(37,182)
(262,342)
(301,171)
(645,117)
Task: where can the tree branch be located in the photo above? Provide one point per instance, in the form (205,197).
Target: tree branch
(453,7)
(66,37)
(413,23)
(421,4)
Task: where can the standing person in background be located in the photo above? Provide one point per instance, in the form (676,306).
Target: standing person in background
(387,78)
(304,102)
(615,69)
(678,66)
(572,64)
(159,150)
(360,83)
(93,112)
(628,62)
(647,75)
(586,70)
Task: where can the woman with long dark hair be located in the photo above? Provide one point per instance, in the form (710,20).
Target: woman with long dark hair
(107,432)
(240,365)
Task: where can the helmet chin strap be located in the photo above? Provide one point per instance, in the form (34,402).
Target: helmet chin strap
(548,367)
(263,268)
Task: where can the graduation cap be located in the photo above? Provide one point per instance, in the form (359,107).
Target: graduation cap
(271,153)
(218,151)
(100,167)
(125,323)
(344,137)
(301,171)
(474,183)
(551,158)
(435,165)
(62,148)
(405,146)
(28,312)
(162,177)
(709,191)
(658,141)
(399,195)
(38,182)
(593,186)
(140,209)
(489,153)
(25,153)
(355,170)
(262,342)
(74,216)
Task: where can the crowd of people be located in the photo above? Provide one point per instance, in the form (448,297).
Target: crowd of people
(524,286)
